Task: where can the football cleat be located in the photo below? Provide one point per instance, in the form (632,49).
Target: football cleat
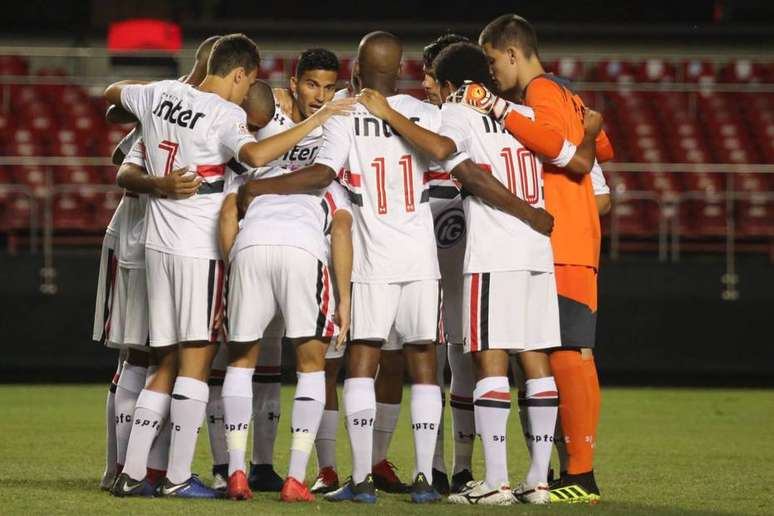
(477,492)
(220,477)
(580,488)
(385,478)
(154,476)
(263,478)
(459,480)
(237,488)
(191,488)
(108,479)
(327,481)
(364,492)
(537,494)
(125,486)
(295,491)
(440,482)
(422,491)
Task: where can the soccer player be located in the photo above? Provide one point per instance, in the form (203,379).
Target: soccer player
(395,272)
(202,128)
(446,204)
(511,45)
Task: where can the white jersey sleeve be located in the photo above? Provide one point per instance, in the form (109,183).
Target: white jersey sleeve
(336,143)
(598,180)
(232,131)
(138,98)
(337,198)
(136,155)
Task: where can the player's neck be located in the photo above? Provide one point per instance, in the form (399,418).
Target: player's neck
(216,85)
(531,69)
(386,86)
(296,115)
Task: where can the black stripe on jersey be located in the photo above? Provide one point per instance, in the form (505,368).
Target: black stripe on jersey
(443,192)
(324,204)
(215,382)
(108,295)
(210,290)
(425,197)
(236,166)
(539,402)
(492,403)
(321,315)
(211,188)
(267,378)
(438,319)
(484,311)
(356,199)
(460,405)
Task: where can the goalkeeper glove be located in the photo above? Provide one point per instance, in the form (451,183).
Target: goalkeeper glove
(478,97)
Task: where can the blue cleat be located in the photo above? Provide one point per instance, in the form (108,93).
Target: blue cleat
(263,478)
(191,488)
(364,492)
(125,486)
(422,492)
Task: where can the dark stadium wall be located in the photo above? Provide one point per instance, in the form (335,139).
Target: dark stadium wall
(659,324)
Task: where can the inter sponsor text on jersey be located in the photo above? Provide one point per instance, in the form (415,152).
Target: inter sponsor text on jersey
(303,153)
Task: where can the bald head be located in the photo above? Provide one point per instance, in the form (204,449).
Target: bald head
(203,52)
(199,70)
(378,59)
(259,105)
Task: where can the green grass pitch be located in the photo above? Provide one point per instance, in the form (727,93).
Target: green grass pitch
(660,451)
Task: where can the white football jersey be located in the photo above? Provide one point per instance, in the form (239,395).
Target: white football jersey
(298,220)
(393,235)
(497,241)
(185,127)
(303,153)
(131,236)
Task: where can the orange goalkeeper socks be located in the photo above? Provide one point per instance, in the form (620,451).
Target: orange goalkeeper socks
(575,409)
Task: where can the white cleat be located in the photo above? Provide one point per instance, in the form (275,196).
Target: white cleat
(478,492)
(536,494)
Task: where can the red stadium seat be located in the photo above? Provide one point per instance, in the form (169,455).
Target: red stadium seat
(71,212)
(13,65)
(654,70)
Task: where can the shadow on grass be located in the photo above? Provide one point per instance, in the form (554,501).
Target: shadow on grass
(67,484)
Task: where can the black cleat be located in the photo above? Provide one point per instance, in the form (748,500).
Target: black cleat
(263,478)
(460,480)
(422,491)
(580,488)
(440,482)
(126,486)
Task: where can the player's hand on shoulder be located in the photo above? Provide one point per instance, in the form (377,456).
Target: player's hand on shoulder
(375,102)
(341,107)
(478,97)
(284,99)
(592,121)
(179,184)
(541,221)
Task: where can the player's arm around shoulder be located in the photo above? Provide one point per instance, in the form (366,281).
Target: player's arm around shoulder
(436,146)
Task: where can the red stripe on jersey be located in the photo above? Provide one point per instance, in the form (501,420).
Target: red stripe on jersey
(454,397)
(436,176)
(217,314)
(331,202)
(211,170)
(326,296)
(497,395)
(486,167)
(545,394)
(351,178)
(267,370)
(474,280)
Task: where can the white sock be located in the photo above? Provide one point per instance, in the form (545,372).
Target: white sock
(237,411)
(186,415)
(325,442)
(130,384)
(360,410)
(266,415)
(461,403)
(425,417)
(216,427)
(158,457)
(542,405)
(150,413)
(110,431)
(308,406)
(384,426)
(492,402)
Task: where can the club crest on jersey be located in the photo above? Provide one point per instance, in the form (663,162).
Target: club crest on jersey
(449,227)
(173,113)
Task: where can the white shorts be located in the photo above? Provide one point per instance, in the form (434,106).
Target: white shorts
(129,316)
(108,267)
(267,280)
(516,310)
(186,294)
(332,353)
(412,309)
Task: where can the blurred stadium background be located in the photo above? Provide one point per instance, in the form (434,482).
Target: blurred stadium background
(686,88)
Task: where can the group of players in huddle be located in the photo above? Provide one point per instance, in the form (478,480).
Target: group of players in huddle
(404,232)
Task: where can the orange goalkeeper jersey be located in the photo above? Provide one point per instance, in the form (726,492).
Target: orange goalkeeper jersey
(569,197)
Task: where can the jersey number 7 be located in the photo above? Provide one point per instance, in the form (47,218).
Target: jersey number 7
(171,150)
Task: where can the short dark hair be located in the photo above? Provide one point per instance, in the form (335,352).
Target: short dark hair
(462,62)
(317,59)
(233,51)
(510,30)
(434,48)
